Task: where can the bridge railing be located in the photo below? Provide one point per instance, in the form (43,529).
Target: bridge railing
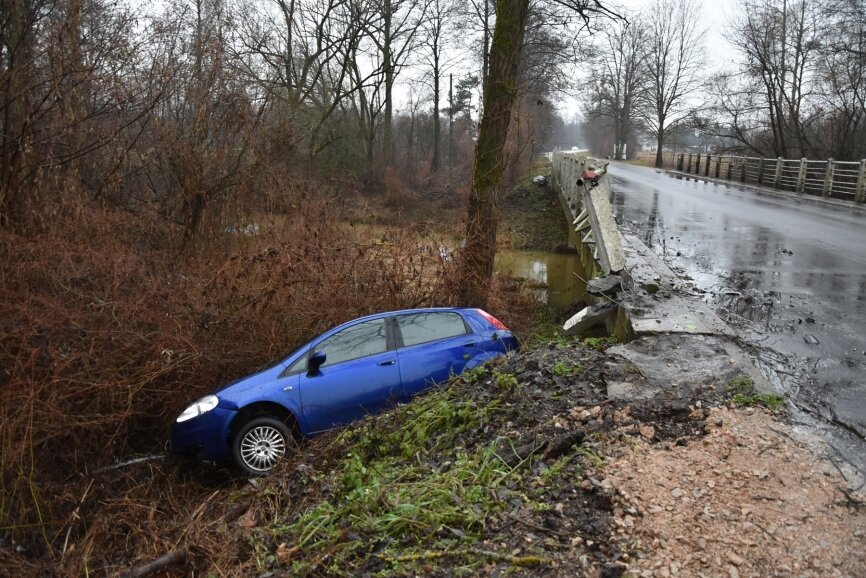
(830,178)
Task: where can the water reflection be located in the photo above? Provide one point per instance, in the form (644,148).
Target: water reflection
(559,278)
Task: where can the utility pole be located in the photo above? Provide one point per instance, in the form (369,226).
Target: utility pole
(450,131)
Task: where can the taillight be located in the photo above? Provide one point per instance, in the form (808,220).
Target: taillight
(492,320)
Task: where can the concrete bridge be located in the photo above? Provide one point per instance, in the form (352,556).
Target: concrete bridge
(785,270)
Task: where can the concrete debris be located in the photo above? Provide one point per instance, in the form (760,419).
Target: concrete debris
(609,285)
(589,318)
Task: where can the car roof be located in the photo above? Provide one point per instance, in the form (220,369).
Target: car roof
(405,312)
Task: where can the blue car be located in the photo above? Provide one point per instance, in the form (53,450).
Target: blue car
(359,368)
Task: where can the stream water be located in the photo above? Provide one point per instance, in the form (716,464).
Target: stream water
(559,278)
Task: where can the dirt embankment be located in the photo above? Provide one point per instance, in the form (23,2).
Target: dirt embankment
(529,468)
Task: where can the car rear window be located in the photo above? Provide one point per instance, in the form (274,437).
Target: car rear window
(361,340)
(425,327)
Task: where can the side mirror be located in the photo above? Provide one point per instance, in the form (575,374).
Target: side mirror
(315,362)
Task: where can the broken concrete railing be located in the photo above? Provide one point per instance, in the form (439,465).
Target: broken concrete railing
(585,190)
(585,193)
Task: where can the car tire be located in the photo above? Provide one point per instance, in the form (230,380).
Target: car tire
(260,444)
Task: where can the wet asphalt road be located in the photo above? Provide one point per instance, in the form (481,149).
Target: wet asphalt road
(788,274)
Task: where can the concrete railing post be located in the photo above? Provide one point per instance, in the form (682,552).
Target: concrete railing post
(777,178)
(827,189)
(860,196)
(801,176)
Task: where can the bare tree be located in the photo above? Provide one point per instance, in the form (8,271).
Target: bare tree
(437,29)
(843,90)
(674,63)
(780,42)
(395,35)
(499,96)
(618,85)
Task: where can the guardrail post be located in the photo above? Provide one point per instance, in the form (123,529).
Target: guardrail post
(860,196)
(801,176)
(828,179)
(761,171)
(777,178)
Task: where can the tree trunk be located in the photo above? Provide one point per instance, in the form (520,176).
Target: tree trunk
(387,58)
(437,128)
(660,141)
(16,101)
(499,94)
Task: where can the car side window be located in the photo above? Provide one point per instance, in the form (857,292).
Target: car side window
(298,366)
(361,340)
(425,327)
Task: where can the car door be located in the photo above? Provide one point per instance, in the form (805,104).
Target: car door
(431,346)
(359,376)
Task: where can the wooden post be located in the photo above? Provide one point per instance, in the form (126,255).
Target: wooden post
(761,171)
(719,166)
(730,167)
(860,196)
(828,179)
(777,179)
(680,161)
(707,167)
(801,176)
(743,170)
(698,164)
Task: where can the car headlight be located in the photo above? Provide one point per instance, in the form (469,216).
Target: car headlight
(203,405)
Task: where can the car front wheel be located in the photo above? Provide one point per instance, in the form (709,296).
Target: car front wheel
(260,444)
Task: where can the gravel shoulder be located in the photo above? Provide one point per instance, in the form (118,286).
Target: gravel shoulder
(747,499)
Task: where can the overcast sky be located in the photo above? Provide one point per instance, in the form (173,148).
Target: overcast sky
(715,16)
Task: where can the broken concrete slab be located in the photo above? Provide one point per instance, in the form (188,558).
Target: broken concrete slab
(680,365)
(656,306)
(604,285)
(589,317)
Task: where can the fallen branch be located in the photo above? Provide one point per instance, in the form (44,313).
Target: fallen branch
(437,554)
(131,462)
(174,557)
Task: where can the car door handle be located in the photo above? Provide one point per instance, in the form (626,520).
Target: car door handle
(389,362)
(472,344)
(289,388)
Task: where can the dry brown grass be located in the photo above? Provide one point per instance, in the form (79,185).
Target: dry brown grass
(111,322)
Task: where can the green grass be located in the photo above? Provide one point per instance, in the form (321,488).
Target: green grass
(742,391)
(388,500)
(562,369)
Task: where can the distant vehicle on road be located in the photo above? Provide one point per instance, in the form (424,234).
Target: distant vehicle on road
(361,367)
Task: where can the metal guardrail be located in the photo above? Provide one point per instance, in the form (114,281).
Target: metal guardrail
(837,179)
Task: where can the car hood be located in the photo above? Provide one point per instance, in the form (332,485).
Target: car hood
(249,382)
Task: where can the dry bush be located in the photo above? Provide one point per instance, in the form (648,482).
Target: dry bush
(396,192)
(107,330)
